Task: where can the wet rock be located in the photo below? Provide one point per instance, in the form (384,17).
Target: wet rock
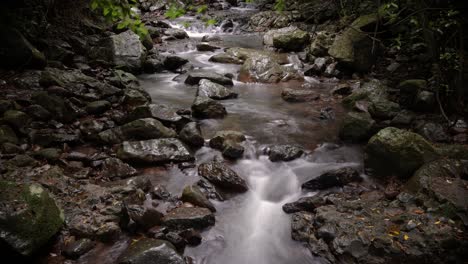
(97,107)
(17,119)
(176,33)
(90,128)
(225,58)
(77,248)
(335,178)
(145,217)
(147,250)
(302,95)
(30,217)
(128,51)
(55,105)
(115,168)
(154,151)
(317,67)
(192,194)
(244,53)
(215,91)
(173,63)
(49,137)
(140,129)
(194,78)
(191,135)
(301,230)
(284,153)
(342,89)
(16,51)
(153,63)
(396,151)
(204,107)
(320,44)
(163,113)
(133,97)
(288,38)
(178,241)
(211,38)
(191,236)
(222,176)
(189,217)
(38,112)
(353,47)
(204,46)
(370,91)
(7,135)
(304,204)
(229,143)
(357,127)
(266,70)
(384,109)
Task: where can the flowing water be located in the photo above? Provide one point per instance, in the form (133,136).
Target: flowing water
(251,228)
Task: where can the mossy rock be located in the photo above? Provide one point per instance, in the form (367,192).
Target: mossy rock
(394,151)
(357,127)
(372,91)
(30,216)
(7,135)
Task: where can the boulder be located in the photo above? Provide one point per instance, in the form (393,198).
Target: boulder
(140,129)
(288,38)
(189,217)
(77,248)
(134,97)
(383,109)
(55,105)
(144,216)
(222,176)
(127,51)
(163,113)
(153,63)
(353,48)
(266,70)
(115,168)
(270,19)
(334,178)
(284,153)
(17,119)
(194,78)
(192,194)
(173,63)
(191,135)
(97,107)
(320,44)
(215,91)
(204,46)
(148,250)
(204,107)
(225,58)
(371,91)
(308,204)
(229,143)
(425,101)
(7,135)
(38,112)
(30,217)
(394,151)
(176,33)
(299,95)
(409,89)
(357,126)
(48,137)
(154,151)
(16,51)
(432,131)
(243,54)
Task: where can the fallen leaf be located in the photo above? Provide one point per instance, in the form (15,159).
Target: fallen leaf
(405,237)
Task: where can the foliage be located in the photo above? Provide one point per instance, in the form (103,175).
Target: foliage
(121,12)
(174,11)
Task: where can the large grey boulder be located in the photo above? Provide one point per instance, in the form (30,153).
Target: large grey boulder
(128,51)
(265,70)
(154,151)
(288,38)
(29,217)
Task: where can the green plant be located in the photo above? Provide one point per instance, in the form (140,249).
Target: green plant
(121,12)
(174,11)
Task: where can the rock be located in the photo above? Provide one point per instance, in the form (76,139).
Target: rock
(163,113)
(20,161)
(16,51)
(173,63)
(192,194)
(398,152)
(38,112)
(30,217)
(204,46)
(270,19)
(297,96)
(215,91)
(115,168)
(334,178)
(7,135)
(425,102)
(443,180)
(265,70)
(229,143)
(370,91)
(140,129)
(304,204)
(154,151)
(244,53)
(284,153)
(189,217)
(144,217)
(133,97)
(409,89)
(353,48)
(9,148)
(211,38)
(432,131)
(222,176)
(342,89)
(49,137)
(194,78)
(5,105)
(90,128)
(383,109)
(453,151)
(97,107)
(320,44)
(147,250)
(127,51)
(17,119)
(50,154)
(317,67)
(77,248)
(204,107)
(153,63)
(403,118)
(55,105)
(191,135)
(288,38)
(225,58)
(176,33)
